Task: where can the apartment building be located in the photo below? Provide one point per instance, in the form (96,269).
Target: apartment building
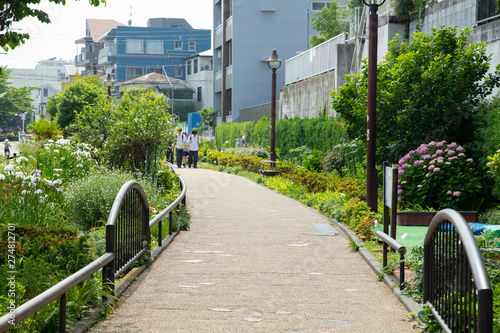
(245,33)
(90,44)
(161,47)
(199,76)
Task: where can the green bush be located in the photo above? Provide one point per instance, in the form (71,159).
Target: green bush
(88,202)
(358,216)
(44,130)
(319,133)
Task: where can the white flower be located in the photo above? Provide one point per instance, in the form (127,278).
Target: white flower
(9,167)
(20,159)
(2,176)
(20,174)
(58,181)
(56,150)
(79,165)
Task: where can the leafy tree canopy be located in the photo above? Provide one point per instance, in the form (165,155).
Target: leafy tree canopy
(15,11)
(82,91)
(331,21)
(426,91)
(13,100)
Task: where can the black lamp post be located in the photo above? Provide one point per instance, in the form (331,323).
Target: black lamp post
(274,63)
(108,82)
(371,132)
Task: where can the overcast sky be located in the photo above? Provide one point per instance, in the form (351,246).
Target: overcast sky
(57,39)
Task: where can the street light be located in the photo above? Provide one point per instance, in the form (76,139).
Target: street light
(274,63)
(371,122)
(108,82)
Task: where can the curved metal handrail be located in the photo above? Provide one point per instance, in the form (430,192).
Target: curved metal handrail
(476,262)
(33,305)
(450,251)
(60,289)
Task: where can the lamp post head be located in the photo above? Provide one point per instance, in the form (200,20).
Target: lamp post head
(109,81)
(274,62)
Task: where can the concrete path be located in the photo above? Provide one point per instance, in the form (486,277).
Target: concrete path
(255,261)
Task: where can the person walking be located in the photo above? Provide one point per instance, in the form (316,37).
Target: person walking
(179,147)
(185,150)
(194,146)
(6,145)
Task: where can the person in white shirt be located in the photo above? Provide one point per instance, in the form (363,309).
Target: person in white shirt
(194,146)
(181,139)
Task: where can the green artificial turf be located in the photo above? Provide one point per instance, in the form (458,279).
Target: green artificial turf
(414,235)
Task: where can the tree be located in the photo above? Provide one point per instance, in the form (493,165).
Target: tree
(426,91)
(140,129)
(82,91)
(13,100)
(331,21)
(207,118)
(15,11)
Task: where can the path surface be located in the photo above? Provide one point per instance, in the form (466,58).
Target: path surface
(253,262)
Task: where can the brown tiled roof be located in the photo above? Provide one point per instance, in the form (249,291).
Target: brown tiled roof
(99,27)
(155,79)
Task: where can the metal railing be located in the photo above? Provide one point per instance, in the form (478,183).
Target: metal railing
(456,283)
(127,229)
(394,244)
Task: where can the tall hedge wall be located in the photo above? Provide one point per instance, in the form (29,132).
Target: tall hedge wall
(319,133)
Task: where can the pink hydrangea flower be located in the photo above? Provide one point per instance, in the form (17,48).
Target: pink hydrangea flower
(400,191)
(461,155)
(426,157)
(417,162)
(460,148)
(470,160)
(451,152)
(419,185)
(404,166)
(439,152)
(436,170)
(432,166)
(423,149)
(401,172)
(432,143)
(452,145)
(449,192)
(427,175)
(440,144)
(457,193)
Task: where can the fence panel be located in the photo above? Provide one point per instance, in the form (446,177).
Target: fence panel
(456,283)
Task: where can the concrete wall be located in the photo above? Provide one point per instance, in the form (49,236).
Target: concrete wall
(305,98)
(259,111)
(450,13)
(490,34)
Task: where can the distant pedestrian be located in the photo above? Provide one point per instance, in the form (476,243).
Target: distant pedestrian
(185,150)
(179,147)
(6,145)
(194,146)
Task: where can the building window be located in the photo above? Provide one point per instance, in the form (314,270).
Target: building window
(154,70)
(178,72)
(178,45)
(192,45)
(133,72)
(195,66)
(45,92)
(134,46)
(318,5)
(188,67)
(154,47)
(199,94)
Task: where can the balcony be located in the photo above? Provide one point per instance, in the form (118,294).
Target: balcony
(85,58)
(107,54)
(218,82)
(229,29)
(228,84)
(218,36)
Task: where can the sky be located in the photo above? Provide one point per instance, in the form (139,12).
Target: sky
(57,39)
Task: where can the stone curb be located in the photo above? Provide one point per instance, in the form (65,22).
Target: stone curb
(83,325)
(376,266)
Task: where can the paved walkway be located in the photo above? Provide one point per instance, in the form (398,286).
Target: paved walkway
(255,261)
